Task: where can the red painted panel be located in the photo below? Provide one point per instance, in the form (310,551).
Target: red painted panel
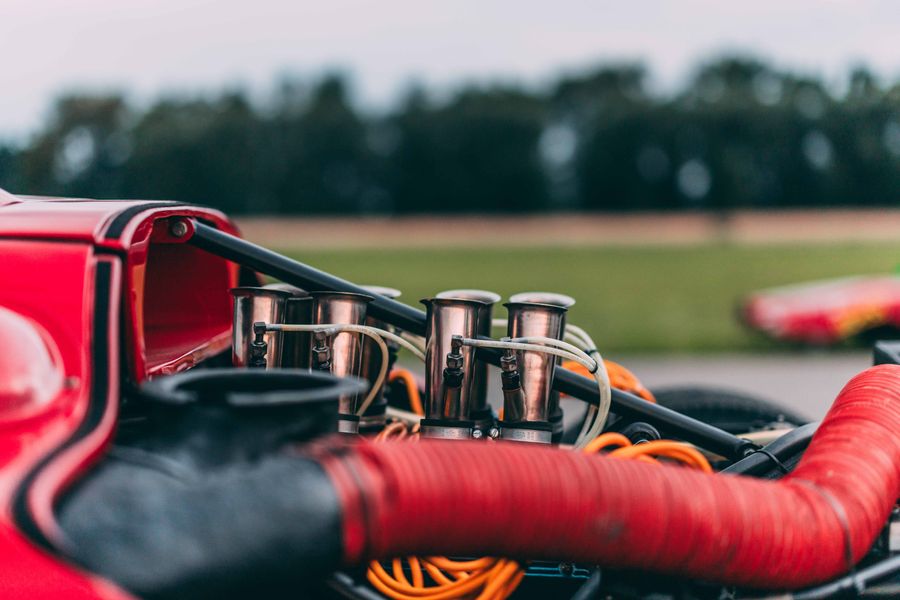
(58,220)
(50,285)
(176,312)
(177,308)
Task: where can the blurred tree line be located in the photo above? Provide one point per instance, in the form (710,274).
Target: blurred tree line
(740,134)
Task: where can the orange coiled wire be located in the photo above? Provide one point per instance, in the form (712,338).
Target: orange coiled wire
(412,389)
(490,578)
(650,451)
(619,377)
(497,578)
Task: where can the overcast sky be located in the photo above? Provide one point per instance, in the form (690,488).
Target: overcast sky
(148,47)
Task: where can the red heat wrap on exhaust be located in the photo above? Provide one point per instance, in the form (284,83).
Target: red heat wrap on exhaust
(525,501)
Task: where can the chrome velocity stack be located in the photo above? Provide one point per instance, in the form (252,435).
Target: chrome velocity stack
(449,374)
(526,416)
(479,410)
(554,411)
(252,305)
(374,418)
(341,353)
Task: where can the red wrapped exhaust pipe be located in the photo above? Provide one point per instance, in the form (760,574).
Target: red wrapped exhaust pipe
(520,500)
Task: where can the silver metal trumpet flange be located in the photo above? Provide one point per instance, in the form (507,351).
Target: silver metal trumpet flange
(551,298)
(343,308)
(252,305)
(293,290)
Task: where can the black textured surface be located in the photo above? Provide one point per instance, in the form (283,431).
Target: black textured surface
(202,497)
(162,530)
(732,411)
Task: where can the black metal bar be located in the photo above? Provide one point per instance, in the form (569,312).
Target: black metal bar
(782,452)
(303,276)
(628,405)
(668,421)
(413,320)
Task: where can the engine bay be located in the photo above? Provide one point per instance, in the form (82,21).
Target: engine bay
(282,432)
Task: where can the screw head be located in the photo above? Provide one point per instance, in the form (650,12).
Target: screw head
(477,434)
(178,228)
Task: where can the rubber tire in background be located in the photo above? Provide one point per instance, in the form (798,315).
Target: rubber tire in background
(735,412)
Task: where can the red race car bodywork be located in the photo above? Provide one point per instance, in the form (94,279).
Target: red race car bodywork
(66,266)
(825,312)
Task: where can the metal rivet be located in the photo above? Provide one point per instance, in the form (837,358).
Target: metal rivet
(178,228)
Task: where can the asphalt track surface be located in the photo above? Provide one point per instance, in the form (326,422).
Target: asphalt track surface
(807,382)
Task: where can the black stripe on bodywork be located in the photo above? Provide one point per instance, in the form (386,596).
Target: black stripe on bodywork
(98,402)
(122,219)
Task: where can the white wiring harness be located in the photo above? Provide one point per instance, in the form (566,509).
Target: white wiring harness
(591,360)
(581,350)
(377,335)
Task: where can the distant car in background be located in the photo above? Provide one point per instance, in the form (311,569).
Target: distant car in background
(825,312)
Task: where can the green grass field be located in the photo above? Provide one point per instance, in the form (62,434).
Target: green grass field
(631,299)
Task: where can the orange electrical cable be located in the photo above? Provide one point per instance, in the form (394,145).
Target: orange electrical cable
(507,591)
(399,575)
(438,576)
(508,570)
(412,389)
(607,439)
(380,579)
(458,565)
(485,578)
(393,431)
(650,451)
(416,569)
(619,377)
(668,449)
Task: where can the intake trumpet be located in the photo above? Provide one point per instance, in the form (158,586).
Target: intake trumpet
(526,416)
(479,409)
(554,410)
(340,354)
(450,366)
(252,305)
(374,417)
(298,310)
